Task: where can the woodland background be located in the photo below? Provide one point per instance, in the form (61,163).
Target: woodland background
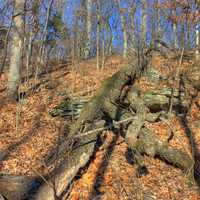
(54,51)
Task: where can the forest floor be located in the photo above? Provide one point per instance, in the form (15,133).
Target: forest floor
(28,133)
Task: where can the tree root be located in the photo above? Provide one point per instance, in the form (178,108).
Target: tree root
(149,144)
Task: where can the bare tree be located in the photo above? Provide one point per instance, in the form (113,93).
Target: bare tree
(88,28)
(16,50)
(197,41)
(158,21)
(98,34)
(124,29)
(144,22)
(43,39)
(132,12)
(174,27)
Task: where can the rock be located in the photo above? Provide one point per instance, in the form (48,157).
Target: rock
(157,100)
(193,76)
(68,108)
(153,75)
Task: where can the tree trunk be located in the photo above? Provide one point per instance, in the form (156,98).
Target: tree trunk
(188,26)
(103,104)
(98,35)
(43,39)
(125,42)
(109,37)
(132,18)
(16,51)
(158,16)
(197,43)
(88,29)
(148,143)
(174,27)
(197,38)
(124,30)
(144,22)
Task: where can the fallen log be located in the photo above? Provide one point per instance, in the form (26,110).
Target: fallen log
(25,187)
(149,144)
(18,187)
(155,100)
(79,150)
(78,158)
(102,105)
(136,103)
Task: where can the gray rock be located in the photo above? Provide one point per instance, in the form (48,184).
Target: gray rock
(153,75)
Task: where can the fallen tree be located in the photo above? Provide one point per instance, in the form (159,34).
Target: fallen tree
(118,101)
(79,150)
(102,106)
(106,104)
(149,144)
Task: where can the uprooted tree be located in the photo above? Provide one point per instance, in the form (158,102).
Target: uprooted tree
(118,101)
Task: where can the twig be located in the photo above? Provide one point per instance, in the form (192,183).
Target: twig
(103,128)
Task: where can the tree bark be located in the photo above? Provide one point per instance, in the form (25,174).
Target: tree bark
(132,18)
(144,22)
(124,30)
(197,41)
(16,50)
(148,143)
(98,35)
(174,27)
(43,39)
(88,29)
